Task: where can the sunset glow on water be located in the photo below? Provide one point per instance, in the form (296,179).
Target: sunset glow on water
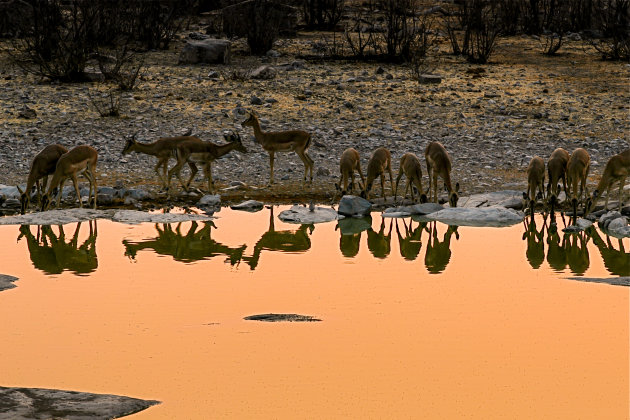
(424,322)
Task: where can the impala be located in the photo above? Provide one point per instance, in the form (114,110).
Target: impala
(43,165)
(297,141)
(410,166)
(535,181)
(349,163)
(163,149)
(577,171)
(81,159)
(439,163)
(203,152)
(617,170)
(557,170)
(380,162)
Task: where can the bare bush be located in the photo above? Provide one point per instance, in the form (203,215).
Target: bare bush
(322,14)
(482,23)
(107,104)
(361,31)
(612,18)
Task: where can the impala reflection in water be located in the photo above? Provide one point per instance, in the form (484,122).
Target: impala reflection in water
(189,246)
(52,254)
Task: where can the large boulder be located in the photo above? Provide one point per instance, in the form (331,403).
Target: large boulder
(353,206)
(37,403)
(306,215)
(482,217)
(211,51)
(510,199)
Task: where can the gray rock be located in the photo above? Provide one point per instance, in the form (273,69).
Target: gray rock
(37,403)
(572,229)
(281,318)
(351,205)
(138,194)
(10,191)
(255,100)
(303,215)
(104,199)
(56,217)
(249,205)
(213,75)
(510,199)
(6,282)
(584,224)
(263,73)
(323,171)
(482,217)
(429,79)
(618,227)
(395,213)
(211,51)
(605,219)
(209,200)
(423,208)
(613,281)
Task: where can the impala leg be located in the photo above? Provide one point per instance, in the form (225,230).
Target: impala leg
(351,181)
(361,175)
(76,188)
(208,171)
(306,163)
(174,170)
(400,173)
(161,163)
(383,186)
(271,158)
(193,172)
(410,187)
(60,192)
(622,181)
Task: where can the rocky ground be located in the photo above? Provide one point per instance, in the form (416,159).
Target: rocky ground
(492,121)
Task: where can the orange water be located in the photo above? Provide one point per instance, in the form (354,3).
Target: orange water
(488,337)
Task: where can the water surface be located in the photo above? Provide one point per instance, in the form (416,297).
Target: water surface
(418,320)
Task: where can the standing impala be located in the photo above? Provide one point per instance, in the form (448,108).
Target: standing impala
(439,163)
(162,148)
(380,162)
(203,152)
(617,170)
(577,171)
(349,162)
(297,141)
(410,166)
(557,170)
(81,159)
(43,165)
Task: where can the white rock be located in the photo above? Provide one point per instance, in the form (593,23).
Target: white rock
(584,224)
(135,216)
(249,205)
(303,215)
(487,216)
(508,198)
(56,217)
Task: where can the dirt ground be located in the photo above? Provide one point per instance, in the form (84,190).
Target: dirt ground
(492,121)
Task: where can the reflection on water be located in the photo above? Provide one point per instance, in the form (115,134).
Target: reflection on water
(51,253)
(188,242)
(281,240)
(439,253)
(189,246)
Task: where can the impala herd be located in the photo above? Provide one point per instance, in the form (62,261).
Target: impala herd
(572,168)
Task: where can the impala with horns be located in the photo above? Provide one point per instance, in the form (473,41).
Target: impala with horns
(349,162)
(203,152)
(410,166)
(535,181)
(80,160)
(617,170)
(163,149)
(380,162)
(577,171)
(439,164)
(557,170)
(43,164)
(297,141)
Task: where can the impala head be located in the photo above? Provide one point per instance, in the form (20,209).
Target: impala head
(233,137)
(454,196)
(129,144)
(24,199)
(249,122)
